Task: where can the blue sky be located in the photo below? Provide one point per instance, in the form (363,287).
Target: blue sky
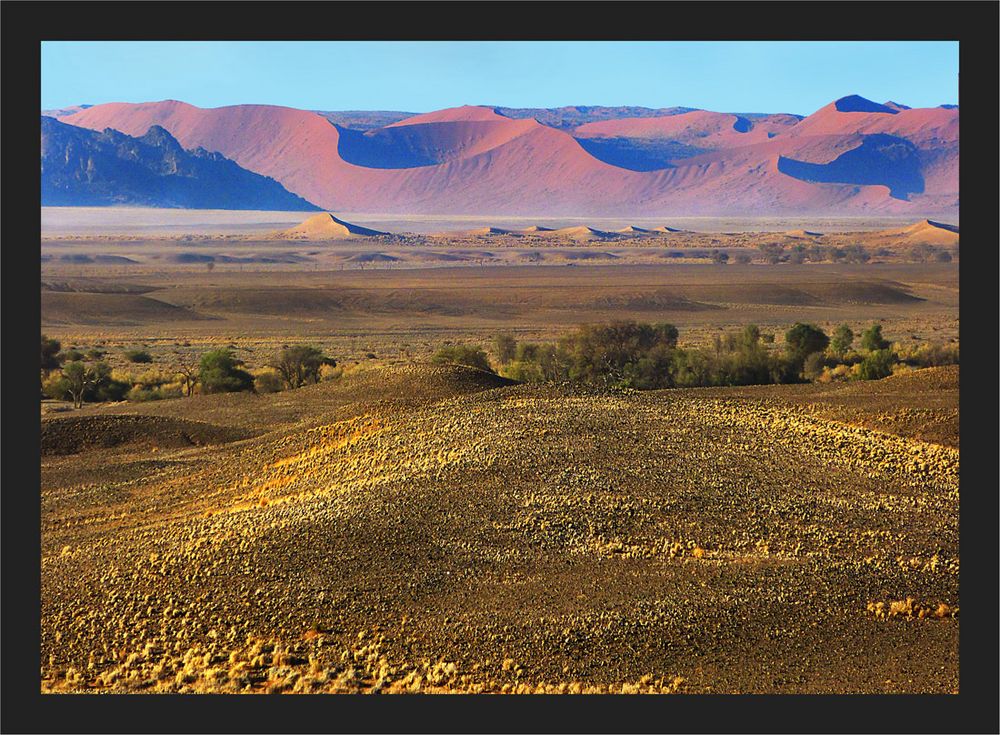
(419,76)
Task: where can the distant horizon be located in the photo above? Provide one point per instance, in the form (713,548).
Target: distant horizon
(422,76)
(484,105)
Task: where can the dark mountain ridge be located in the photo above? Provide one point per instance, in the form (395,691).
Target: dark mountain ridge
(82,167)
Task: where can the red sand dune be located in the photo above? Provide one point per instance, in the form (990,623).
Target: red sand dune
(465,113)
(471,160)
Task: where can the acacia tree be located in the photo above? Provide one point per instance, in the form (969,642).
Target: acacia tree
(190,375)
(300,364)
(78,379)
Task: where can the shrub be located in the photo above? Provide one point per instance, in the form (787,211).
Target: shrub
(930,355)
(331,372)
(872,339)
(138,356)
(95,354)
(141,393)
(462,355)
(152,378)
(923,252)
(506,347)
(79,383)
(50,353)
(720,257)
(300,364)
(72,355)
(523,371)
(876,365)
(599,353)
(268,381)
(842,340)
(837,373)
(813,366)
(221,373)
(743,258)
(943,257)
(56,386)
(856,254)
(111,390)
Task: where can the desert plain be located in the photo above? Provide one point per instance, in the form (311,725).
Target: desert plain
(414,527)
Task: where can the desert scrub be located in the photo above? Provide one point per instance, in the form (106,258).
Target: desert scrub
(910,608)
(138,356)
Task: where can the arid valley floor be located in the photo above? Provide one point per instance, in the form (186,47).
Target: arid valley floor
(416,527)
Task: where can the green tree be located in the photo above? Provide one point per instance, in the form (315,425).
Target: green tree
(872,339)
(842,340)
(804,339)
(220,373)
(506,348)
(300,364)
(462,355)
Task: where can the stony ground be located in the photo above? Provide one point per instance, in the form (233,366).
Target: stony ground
(435,529)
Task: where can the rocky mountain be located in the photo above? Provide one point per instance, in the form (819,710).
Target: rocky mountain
(81,167)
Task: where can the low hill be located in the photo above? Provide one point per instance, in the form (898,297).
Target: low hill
(82,167)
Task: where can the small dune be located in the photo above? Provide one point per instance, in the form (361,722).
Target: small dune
(925,232)
(325,226)
(580,232)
